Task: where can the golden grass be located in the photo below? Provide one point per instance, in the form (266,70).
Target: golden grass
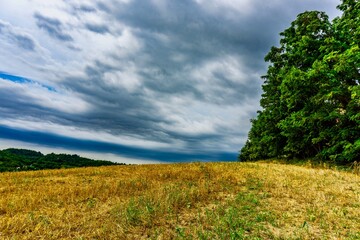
(181,201)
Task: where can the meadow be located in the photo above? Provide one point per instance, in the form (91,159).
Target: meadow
(181,201)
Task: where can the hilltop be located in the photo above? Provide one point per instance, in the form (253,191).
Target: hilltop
(22,159)
(181,201)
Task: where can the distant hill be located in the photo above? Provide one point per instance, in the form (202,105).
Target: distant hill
(22,159)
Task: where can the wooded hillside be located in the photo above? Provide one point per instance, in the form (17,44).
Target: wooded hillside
(22,159)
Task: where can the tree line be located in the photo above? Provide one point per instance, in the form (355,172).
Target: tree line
(311,92)
(22,159)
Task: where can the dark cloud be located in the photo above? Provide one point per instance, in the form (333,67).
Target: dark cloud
(53,27)
(85,8)
(22,40)
(15,105)
(52,140)
(199,33)
(115,109)
(190,31)
(97,28)
(196,32)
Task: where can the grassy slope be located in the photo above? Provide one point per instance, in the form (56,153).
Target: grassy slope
(181,201)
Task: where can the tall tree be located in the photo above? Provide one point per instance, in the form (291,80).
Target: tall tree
(343,89)
(311,91)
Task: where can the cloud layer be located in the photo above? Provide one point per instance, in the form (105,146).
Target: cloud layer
(174,77)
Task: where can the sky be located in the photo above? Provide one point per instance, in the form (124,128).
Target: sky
(137,81)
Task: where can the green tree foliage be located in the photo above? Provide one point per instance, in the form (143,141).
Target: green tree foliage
(21,159)
(311,99)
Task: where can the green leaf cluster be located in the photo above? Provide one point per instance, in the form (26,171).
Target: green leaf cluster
(22,159)
(311,92)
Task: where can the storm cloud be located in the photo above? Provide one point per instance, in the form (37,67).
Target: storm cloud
(176,80)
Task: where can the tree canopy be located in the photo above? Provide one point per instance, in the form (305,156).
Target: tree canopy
(311,92)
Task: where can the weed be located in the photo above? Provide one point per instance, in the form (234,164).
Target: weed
(133,213)
(180,232)
(91,202)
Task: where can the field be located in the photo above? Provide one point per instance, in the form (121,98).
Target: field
(181,201)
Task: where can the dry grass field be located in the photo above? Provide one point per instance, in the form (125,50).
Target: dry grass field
(181,201)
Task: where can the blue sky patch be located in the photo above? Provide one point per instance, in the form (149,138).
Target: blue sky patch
(18,79)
